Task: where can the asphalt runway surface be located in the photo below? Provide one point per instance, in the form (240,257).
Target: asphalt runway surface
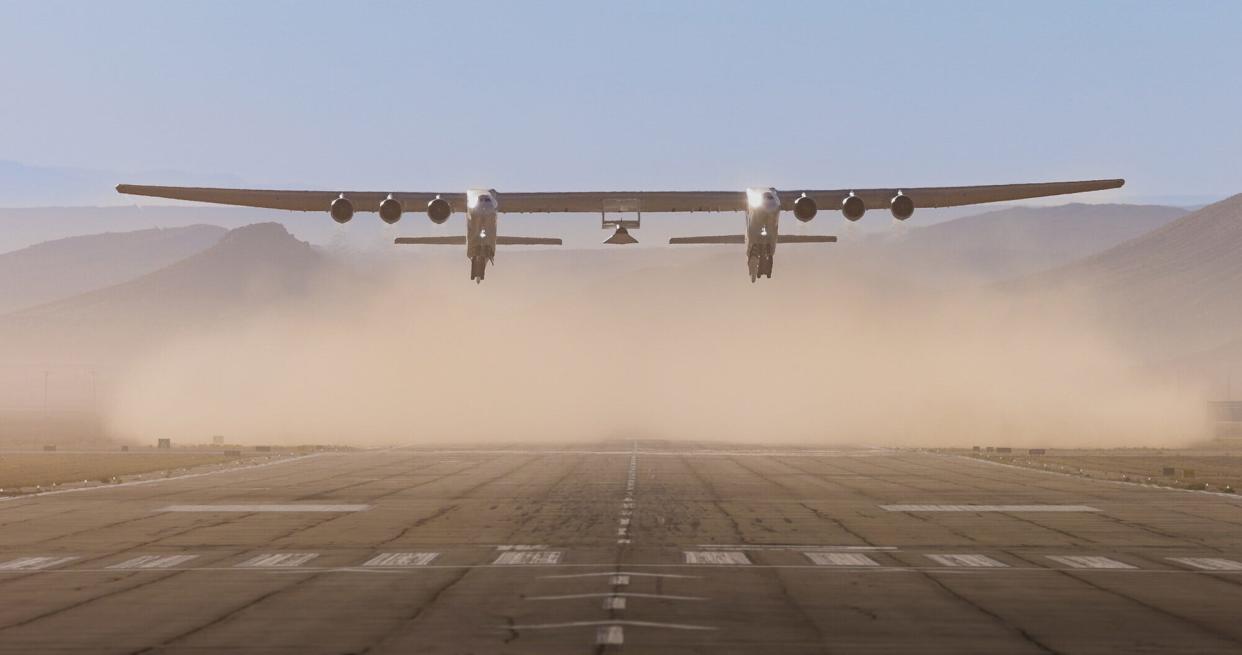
(620,547)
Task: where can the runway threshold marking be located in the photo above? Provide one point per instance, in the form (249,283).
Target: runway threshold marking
(734,557)
(153,562)
(529,557)
(1208,563)
(967,561)
(34,563)
(988,508)
(265,508)
(840,559)
(401,559)
(1089,562)
(277,560)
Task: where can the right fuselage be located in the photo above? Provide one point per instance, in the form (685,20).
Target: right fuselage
(763,211)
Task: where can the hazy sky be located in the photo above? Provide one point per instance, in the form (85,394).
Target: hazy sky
(657,95)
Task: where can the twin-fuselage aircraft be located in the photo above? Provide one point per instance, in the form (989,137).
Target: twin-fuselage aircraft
(761,206)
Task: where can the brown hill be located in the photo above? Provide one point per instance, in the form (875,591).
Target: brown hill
(1174,291)
(1020,240)
(68,267)
(249,269)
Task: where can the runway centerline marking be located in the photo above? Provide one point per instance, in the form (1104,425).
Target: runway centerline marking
(277,560)
(1208,563)
(265,508)
(1089,562)
(988,508)
(610,635)
(34,563)
(840,559)
(727,557)
(153,562)
(967,561)
(529,557)
(401,559)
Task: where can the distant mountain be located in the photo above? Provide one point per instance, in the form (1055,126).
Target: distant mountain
(248,270)
(1177,289)
(68,267)
(1021,240)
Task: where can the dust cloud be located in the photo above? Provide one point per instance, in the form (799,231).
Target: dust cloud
(676,348)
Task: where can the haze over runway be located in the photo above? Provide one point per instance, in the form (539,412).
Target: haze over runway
(622,546)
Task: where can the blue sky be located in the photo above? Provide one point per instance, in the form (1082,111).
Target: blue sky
(653,95)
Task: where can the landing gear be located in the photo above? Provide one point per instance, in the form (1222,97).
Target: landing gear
(478,267)
(760,266)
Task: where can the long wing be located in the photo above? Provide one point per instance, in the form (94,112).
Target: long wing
(622,201)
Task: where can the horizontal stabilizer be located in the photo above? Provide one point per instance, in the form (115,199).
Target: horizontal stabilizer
(527,241)
(431,241)
(808,238)
(724,238)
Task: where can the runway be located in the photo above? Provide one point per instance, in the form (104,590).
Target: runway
(622,547)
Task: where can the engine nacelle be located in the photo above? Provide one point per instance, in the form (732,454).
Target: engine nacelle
(439,210)
(805,208)
(342,209)
(853,208)
(902,206)
(390,210)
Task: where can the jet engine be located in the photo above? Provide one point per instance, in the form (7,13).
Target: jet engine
(342,209)
(390,210)
(902,206)
(852,207)
(804,208)
(438,210)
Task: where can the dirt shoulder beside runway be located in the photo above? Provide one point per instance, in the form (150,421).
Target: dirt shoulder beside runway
(1213,470)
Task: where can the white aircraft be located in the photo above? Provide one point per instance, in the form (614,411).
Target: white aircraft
(762,207)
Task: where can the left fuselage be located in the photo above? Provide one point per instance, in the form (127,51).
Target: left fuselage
(482,207)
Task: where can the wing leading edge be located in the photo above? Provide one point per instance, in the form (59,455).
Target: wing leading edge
(646,201)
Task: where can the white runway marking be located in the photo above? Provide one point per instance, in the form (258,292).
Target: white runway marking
(580,624)
(401,559)
(34,563)
(734,557)
(610,635)
(522,547)
(988,508)
(1209,563)
(1089,562)
(841,559)
(277,560)
(968,561)
(529,557)
(636,574)
(614,603)
(265,508)
(619,580)
(614,594)
(153,562)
